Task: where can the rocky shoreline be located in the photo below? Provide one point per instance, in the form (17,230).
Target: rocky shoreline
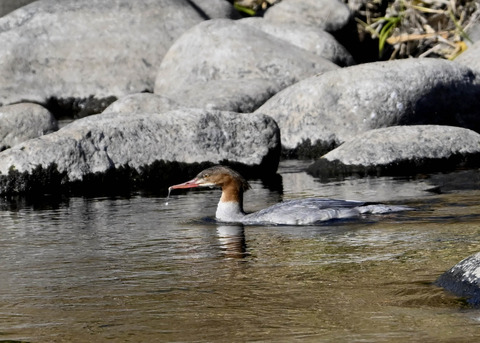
(286,65)
(150,72)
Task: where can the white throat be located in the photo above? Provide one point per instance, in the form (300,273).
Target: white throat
(229,211)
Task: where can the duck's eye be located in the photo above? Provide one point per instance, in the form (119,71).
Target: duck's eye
(205,176)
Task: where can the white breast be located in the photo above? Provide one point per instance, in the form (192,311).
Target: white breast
(229,211)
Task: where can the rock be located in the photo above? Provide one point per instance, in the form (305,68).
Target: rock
(402,150)
(95,147)
(210,9)
(473,32)
(471,57)
(78,107)
(245,53)
(306,37)
(325,110)
(328,15)
(142,103)
(7,6)
(79,48)
(463,279)
(21,122)
(242,96)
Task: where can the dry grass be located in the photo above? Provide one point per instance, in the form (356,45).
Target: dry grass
(406,28)
(251,6)
(417,28)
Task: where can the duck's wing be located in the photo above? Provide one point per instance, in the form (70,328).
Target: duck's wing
(305,211)
(316,210)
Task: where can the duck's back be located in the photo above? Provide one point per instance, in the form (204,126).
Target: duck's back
(315,210)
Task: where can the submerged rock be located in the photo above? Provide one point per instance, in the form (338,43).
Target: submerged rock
(325,110)
(402,150)
(223,52)
(79,48)
(99,145)
(21,122)
(463,279)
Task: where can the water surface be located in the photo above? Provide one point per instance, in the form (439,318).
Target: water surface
(135,269)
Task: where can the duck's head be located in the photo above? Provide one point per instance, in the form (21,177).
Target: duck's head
(217,176)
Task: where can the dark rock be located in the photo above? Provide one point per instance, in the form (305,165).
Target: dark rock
(329,15)
(402,150)
(21,122)
(224,50)
(463,279)
(330,108)
(307,37)
(111,146)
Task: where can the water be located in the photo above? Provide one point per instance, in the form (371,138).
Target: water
(136,269)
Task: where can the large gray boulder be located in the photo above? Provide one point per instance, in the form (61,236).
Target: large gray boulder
(103,143)
(224,50)
(403,150)
(463,279)
(325,110)
(329,15)
(307,37)
(83,48)
(239,95)
(21,122)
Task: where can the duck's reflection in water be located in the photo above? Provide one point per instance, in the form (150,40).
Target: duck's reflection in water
(232,240)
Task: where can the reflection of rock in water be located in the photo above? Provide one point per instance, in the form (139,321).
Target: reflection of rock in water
(375,189)
(458,180)
(232,240)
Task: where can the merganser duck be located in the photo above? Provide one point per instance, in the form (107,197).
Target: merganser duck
(292,212)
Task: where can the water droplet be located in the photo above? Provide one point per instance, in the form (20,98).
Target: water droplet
(168,195)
